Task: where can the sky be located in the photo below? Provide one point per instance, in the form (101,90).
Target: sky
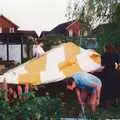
(38,15)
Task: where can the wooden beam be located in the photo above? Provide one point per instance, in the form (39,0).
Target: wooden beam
(21,49)
(7,47)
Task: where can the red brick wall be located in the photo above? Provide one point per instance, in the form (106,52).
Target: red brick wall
(75,28)
(6,25)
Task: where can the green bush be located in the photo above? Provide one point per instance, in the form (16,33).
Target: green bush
(29,108)
(32,107)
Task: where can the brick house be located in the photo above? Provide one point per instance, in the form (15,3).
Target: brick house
(15,44)
(7,26)
(75,30)
(71,29)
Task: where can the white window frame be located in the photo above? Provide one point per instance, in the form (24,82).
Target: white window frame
(70,33)
(11,30)
(85,33)
(79,33)
(0,29)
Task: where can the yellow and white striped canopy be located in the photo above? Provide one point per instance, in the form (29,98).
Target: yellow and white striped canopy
(57,64)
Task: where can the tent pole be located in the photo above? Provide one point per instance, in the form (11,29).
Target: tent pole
(5,87)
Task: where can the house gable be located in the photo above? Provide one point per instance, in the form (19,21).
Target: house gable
(74,29)
(70,28)
(61,28)
(6,25)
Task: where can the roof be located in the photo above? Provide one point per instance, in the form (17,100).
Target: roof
(2,16)
(28,33)
(61,28)
(12,37)
(66,58)
(44,33)
(16,36)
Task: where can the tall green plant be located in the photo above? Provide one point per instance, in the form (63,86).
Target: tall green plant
(29,108)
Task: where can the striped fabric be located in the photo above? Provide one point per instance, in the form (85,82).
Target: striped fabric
(57,64)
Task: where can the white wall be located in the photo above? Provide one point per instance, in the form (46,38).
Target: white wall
(3,52)
(24,51)
(14,52)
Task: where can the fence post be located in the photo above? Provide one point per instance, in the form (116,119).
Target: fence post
(5,90)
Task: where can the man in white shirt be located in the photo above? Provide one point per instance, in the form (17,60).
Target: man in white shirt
(38,50)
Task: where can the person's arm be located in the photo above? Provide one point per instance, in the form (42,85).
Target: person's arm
(41,51)
(98,69)
(117,61)
(77,90)
(102,65)
(98,91)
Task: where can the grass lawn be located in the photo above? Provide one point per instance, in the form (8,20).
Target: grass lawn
(71,109)
(112,113)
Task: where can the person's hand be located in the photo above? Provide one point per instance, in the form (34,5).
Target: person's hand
(97,101)
(98,69)
(81,103)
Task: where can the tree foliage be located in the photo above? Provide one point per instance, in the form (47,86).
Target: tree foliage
(105,13)
(93,12)
(116,14)
(52,40)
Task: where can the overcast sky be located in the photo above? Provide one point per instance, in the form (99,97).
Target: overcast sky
(38,15)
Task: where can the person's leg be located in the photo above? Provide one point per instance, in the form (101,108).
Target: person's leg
(93,102)
(84,95)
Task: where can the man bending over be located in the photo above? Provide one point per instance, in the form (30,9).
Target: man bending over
(87,88)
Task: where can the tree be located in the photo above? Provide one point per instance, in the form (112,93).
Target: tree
(93,12)
(116,13)
(52,40)
(96,12)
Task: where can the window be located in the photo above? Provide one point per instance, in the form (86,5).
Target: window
(85,33)
(70,33)
(0,29)
(11,30)
(78,32)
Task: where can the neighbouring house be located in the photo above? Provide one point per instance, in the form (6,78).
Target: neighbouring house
(7,26)
(75,30)
(44,34)
(71,29)
(15,44)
